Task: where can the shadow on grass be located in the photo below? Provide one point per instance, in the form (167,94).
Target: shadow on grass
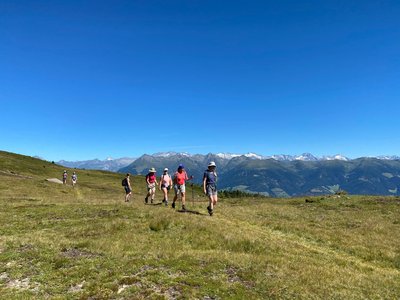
(194,212)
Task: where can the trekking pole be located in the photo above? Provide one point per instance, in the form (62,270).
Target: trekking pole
(192,178)
(192,194)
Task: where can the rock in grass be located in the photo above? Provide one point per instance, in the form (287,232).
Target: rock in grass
(54,180)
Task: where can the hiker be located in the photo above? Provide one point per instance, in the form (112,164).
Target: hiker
(74,179)
(165,185)
(180,178)
(126,183)
(151,181)
(64,177)
(210,186)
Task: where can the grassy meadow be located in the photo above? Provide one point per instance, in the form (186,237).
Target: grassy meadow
(59,242)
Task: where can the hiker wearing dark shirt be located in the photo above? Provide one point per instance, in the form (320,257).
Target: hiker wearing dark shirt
(210,186)
(126,183)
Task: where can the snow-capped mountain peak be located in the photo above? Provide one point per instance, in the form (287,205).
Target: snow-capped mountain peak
(281,157)
(171,153)
(388,157)
(336,157)
(253,156)
(306,157)
(227,155)
(231,155)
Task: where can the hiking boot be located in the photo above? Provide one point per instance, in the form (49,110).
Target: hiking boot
(151,201)
(146,200)
(173,205)
(166,203)
(183,207)
(210,211)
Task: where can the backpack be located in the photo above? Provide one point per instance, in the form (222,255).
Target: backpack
(211,177)
(124,182)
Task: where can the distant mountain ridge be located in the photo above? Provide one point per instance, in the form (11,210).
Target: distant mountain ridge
(108,164)
(279,157)
(286,176)
(115,165)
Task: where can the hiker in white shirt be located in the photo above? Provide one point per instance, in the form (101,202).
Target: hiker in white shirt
(165,185)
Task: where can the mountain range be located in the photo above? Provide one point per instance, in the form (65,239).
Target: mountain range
(285,176)
(115,165)
(276,175)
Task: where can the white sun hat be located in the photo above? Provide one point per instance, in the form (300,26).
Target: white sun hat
(212,164)
(166,170)
(152,170)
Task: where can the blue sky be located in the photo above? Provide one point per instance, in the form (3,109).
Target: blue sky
(92,79)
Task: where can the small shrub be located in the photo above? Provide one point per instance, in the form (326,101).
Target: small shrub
(159,225)
(239,194)
(341,193)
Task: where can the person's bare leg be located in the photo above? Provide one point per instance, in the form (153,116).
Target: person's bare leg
(127,196)
(173,201)
(147,196)
(183,200)
(212,202)
(165,191)
(215,199)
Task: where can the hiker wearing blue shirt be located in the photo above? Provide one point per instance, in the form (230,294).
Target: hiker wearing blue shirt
(210,186)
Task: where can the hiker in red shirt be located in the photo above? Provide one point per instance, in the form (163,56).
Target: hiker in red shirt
(151,181)
(180,178)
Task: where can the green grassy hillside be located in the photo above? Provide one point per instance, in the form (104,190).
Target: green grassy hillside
(86,243)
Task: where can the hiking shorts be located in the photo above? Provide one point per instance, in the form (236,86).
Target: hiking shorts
(179,188)
(151,187)
(211,190)
(127,190)
(163,186)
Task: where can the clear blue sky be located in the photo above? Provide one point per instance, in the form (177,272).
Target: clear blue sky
(87,79)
